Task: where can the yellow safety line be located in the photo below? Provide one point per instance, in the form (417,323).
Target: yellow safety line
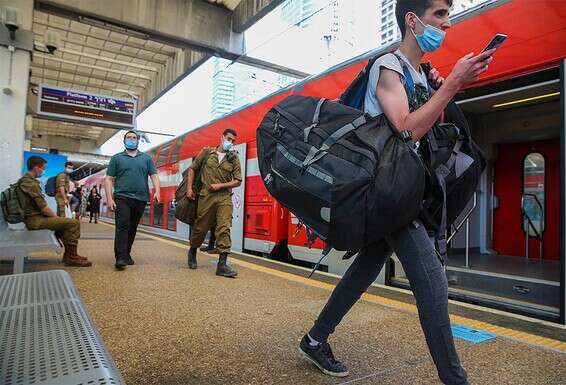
(394,304)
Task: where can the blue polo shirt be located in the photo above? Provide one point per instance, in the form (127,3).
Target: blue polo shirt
(131,173)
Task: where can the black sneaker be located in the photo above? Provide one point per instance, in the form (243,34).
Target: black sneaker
(321,356)
(121,263)
(131,260)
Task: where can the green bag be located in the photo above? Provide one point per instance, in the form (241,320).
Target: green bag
(186,209)
(11,202)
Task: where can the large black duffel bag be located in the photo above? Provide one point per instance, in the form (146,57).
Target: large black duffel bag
(343,173)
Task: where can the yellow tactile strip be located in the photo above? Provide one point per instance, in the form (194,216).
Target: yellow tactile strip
(523,337)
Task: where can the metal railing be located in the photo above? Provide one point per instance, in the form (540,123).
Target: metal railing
(531,225)
(466,220)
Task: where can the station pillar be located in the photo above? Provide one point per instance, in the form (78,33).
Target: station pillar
(15,57)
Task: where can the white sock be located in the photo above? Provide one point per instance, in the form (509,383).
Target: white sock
(312,341)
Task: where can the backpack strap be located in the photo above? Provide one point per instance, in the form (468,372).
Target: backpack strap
(315,120)
(316,154)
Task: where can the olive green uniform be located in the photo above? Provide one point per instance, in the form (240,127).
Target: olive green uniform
(62,180)
(67,229)
(215,206)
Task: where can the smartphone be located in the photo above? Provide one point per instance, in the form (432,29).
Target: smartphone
(495,42)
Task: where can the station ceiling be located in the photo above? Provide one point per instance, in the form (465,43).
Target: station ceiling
(98,54)
(97,60)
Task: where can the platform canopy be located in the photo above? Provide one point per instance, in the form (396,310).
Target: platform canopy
(136,49)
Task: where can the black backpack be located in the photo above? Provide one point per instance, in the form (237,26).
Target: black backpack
(51,186)
(341,172)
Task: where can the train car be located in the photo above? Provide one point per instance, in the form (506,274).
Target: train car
(509,255)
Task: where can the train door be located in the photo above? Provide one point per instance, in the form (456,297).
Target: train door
(527,189)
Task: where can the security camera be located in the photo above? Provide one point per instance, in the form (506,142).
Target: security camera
(11,20)
(52,41)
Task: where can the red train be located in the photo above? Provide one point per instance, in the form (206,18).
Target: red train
(514,110)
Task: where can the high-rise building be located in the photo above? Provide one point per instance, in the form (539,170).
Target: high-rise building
(223,89)
(389,30)
(298,12)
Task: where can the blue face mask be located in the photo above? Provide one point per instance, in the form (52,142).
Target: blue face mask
(131,144)
(431,39)
(227,145)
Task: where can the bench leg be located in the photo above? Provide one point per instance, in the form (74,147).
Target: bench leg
(19,264)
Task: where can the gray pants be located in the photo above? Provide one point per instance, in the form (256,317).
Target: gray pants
(428,282)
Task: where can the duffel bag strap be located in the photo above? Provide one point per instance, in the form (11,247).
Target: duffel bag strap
(315,120)
(316,154)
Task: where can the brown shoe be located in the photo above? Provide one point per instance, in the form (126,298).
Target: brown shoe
(71,250)
(78,262)
(73,259)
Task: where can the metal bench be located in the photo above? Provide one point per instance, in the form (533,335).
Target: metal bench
(47,336)
(17,244)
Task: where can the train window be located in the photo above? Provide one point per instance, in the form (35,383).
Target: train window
(162,158)
(533,193)
(171,220)
(177,149)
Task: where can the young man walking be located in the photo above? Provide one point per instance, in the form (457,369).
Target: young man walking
(220,173)
(63,184)
(38,216)
(423,25)
(127,193)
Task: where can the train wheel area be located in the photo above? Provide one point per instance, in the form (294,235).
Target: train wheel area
(166,324)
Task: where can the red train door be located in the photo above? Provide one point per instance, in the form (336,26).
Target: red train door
(527,181)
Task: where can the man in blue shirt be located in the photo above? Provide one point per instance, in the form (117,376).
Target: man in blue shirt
(127,176)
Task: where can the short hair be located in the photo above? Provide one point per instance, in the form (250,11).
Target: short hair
(132,132)
(34,161)
(229,131)
(418,7)
(69,164)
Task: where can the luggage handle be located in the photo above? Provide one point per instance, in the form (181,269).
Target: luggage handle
(315,120)
(317,153)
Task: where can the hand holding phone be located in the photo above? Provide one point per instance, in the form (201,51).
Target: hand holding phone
(495,42)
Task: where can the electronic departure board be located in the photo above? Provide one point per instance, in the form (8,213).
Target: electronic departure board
(82,107)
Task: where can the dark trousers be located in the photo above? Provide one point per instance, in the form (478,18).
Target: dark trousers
(428,282)
(128,214)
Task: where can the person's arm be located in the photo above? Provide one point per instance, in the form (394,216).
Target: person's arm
(191,179)
(109,187)
(156,186)
(47,212)
(236,177)
(393,97)
(61,182)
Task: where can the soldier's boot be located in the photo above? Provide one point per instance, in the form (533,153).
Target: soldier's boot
(75,260)
(223,269)
(192,258)
(69,253)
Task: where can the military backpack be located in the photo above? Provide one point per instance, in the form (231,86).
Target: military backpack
(11,202)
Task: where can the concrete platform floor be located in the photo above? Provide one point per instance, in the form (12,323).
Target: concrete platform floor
(166,324)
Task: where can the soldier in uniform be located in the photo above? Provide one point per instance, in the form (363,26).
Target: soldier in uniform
(221,173)
(63,188)
(38,216)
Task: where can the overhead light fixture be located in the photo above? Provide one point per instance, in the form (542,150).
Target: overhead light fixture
(113,27)
(526,100)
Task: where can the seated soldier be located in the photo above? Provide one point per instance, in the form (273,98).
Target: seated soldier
(38,216)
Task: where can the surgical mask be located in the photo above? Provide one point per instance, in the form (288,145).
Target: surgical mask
(40,173)
(431,38)
(68,170)
(131,144)
(227,145)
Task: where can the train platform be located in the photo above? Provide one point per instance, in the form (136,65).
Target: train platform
(166,324)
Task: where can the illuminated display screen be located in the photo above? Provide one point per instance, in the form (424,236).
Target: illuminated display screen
(82,107)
